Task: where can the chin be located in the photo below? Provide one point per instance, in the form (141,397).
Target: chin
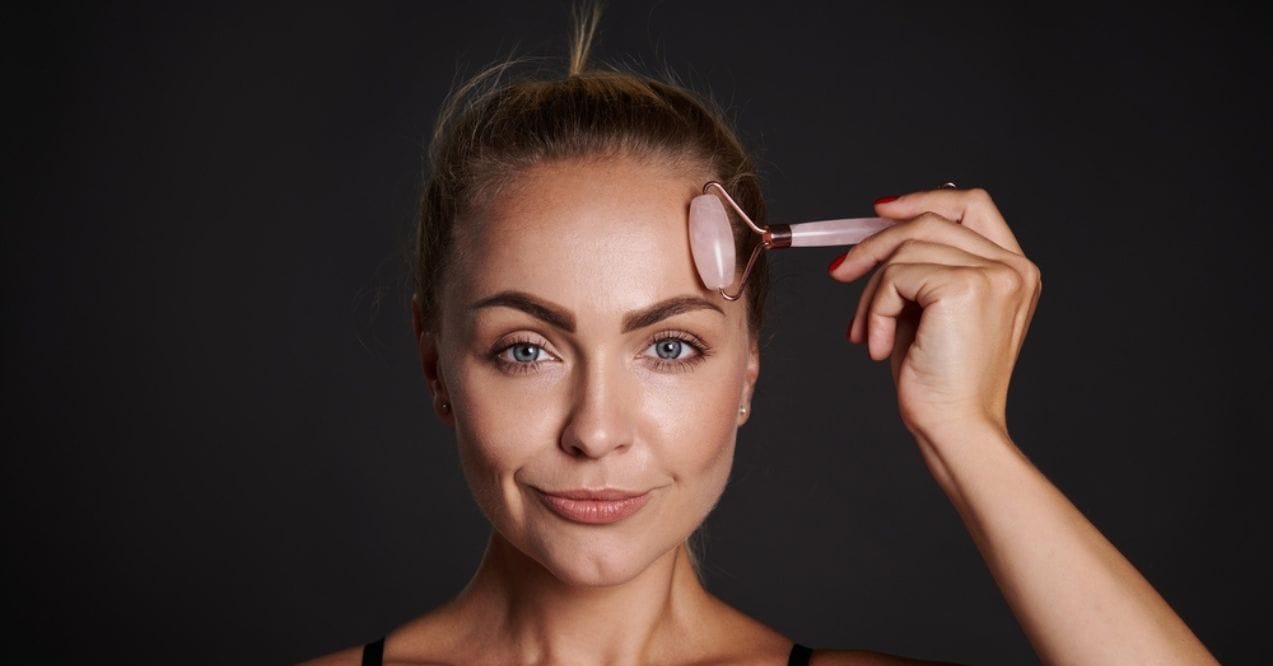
(597,571)
(599,565)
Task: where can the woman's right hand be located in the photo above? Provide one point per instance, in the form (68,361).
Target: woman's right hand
(950,301)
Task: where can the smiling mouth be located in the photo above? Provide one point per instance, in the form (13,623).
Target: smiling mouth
(594,507)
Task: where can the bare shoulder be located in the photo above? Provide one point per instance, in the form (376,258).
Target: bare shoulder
(866,658)
(347,657)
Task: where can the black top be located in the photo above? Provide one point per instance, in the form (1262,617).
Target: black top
(373,654)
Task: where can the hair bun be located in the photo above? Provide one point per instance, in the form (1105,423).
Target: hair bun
(584,21)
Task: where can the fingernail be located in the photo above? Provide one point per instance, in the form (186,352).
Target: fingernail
(884,200)
(848,332)
(835,263)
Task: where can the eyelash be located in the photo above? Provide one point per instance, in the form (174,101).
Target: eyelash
(702,351)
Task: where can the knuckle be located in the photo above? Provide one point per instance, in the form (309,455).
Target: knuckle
(1028,271)
(980,196)
(929,225)
(930,220)
(1005,279)
(968,281)
(908,247)
(1033,276)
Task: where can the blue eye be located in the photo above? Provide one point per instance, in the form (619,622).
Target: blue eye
(668,349)
(676,352)
(519,357)
(525,353)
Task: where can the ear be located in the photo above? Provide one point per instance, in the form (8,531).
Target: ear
(750,375)
(427,344)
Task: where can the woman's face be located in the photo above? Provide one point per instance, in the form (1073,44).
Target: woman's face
(595,384)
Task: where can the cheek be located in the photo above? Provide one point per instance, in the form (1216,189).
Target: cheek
(695,428)
(697,425)
(500,426)
(696,448)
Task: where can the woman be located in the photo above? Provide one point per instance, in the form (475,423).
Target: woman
(596,387)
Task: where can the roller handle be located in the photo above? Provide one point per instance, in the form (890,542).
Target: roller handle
(848,231)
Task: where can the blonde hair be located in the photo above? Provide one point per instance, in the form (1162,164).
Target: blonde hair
(499,123)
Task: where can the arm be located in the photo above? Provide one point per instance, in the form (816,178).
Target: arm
(1077,598)
(950,304)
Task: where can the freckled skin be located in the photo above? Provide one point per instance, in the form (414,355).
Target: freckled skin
(599,408)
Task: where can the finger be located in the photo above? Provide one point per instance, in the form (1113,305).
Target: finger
(908,290)
(1033,280)
(972,208)
(901,284)
(904,335)
(927,227)
(910,251)
(857,327)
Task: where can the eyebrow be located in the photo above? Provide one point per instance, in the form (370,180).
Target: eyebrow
(558,317)
(664,309)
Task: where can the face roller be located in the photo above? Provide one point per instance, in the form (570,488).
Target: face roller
(712,238)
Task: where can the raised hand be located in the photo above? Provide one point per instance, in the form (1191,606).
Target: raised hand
(950,303)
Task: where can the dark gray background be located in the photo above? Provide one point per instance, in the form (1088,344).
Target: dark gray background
(218,447)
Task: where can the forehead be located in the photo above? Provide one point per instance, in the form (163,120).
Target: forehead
(604,236)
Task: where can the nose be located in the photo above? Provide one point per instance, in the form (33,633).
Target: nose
(601,416)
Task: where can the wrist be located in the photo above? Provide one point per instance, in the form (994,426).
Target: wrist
(959,432)
(966,451)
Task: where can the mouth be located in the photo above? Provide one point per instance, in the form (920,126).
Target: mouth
(594,507)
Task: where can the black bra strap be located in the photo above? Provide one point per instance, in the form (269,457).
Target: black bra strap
(799,655)
(373,653)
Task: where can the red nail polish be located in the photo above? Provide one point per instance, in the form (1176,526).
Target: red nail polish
(884,200)
(835,263)
(848,332)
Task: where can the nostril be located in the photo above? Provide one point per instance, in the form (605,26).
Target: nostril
(600,421)
(581,440)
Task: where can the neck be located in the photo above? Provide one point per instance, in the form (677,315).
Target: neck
(542,619)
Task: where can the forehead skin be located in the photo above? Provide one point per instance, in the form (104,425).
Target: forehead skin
(598,237)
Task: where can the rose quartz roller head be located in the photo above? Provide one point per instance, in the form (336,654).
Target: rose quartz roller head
(712,237)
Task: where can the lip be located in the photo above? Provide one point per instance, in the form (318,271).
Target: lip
(594,507)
